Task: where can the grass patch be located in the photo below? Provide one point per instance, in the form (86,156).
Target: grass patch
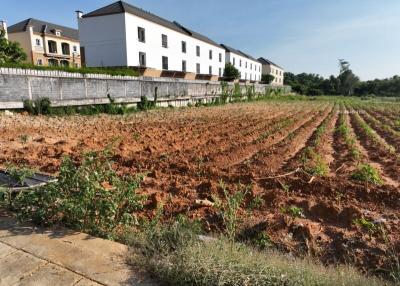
(173,255)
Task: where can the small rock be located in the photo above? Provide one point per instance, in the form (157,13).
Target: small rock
(8,113)
(204,203)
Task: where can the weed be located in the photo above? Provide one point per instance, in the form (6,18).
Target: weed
(90,197)
(19,173)
(294,211)
(262,240)
(230,210)
(367,173)
(23,138)
(256,203)
(367,225)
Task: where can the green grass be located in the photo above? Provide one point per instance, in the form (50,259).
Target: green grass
(173,255)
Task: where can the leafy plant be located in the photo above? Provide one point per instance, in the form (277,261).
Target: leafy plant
(230,210)
(230,72)
(367,173)
(19,173)
(90,197)
(366,225)
(40,106)
(256,203)
(294,211)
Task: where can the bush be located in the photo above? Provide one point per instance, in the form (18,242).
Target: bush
(230,72)
(90,197)
(40,106)
(145,104)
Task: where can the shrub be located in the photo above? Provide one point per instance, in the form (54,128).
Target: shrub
(230,72)
(40,106)
(145,104)
(90,197)
(367,173)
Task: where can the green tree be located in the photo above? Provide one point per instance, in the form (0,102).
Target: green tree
(347,79)
(230,72)
(10,52)
(267,78)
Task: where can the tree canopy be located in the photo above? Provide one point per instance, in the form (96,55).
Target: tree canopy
(10,52)
(230,72)
(346,83)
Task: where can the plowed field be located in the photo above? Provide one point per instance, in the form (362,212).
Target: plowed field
(295,160)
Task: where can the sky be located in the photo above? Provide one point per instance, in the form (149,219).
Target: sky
(299,35)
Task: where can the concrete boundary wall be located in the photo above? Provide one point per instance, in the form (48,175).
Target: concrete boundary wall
(64,89)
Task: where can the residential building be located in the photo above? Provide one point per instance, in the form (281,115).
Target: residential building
(123,35)
(249,67)
(3,26)
(47,44)
(269,67)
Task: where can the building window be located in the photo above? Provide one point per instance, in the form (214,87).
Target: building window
(240,63)
(198,51)
(64,63)
(184,66)
(52,47)
(210,70)
(183,47)
(141,34)
(198,68)
(246,65)
(220,57)
(75,49)
(53,62)
(165,63)
(164,40)
(39,62)
(142,59)
(220,72)
(65,49)
(210,55)
(234,62)
(58,33)
(251,66)
(38,42)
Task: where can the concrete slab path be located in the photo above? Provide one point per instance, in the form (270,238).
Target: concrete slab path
(37,256)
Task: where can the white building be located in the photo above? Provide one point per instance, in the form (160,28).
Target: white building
(123,35)
(249,67)
(269,67)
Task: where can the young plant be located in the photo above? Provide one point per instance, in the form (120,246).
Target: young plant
(230,209)
(368,174)
(294,212)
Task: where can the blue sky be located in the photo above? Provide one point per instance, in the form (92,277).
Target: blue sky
(300,35)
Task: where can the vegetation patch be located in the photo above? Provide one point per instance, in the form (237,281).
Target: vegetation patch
(367,173)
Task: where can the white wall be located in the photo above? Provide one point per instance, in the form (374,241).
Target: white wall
(251,72)
(154,50)
(104,40)
(277,72)
(112,40)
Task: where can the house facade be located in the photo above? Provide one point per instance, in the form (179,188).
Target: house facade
(249,68)
(47,44)
(123,35)
(269,67)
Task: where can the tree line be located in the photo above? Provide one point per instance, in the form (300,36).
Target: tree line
(346,83)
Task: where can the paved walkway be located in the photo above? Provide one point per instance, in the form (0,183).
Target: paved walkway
(35,256)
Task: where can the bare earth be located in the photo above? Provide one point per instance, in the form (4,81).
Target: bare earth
(187,152)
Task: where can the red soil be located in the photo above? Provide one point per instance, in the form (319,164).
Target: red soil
(187,152)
